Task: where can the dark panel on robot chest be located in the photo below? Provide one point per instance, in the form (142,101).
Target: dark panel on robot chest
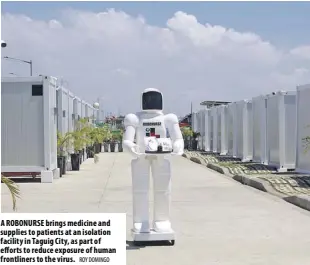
(153,129)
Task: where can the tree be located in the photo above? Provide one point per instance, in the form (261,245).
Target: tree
(79,137)
(62,142)
(187,132)
(13,188)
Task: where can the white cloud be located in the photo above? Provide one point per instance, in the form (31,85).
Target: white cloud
(122,71)
(116,56)
(55,24)
(302,51)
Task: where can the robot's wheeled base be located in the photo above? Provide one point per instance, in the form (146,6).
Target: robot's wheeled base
(140,238)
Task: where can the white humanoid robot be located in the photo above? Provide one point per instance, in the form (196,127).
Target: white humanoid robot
(150,128)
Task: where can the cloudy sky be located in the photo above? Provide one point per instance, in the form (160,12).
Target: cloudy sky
(190,51)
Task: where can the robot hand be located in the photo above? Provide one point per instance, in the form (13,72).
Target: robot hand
(134,151)
(131,147)
(178,147)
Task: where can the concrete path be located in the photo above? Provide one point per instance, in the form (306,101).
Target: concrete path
(217,220)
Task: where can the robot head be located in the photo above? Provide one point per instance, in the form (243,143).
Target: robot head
(152,100)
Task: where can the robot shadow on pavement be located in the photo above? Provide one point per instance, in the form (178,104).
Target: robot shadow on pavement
(158,137)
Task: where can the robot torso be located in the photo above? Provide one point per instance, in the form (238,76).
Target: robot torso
(150,125)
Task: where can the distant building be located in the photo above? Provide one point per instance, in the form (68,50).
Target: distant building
(116,123)
(186,121)
(210,104)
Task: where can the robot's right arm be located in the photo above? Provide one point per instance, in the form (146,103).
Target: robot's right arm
(131,123)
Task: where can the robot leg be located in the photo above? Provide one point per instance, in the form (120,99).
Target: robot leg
(140,170)
(161,173)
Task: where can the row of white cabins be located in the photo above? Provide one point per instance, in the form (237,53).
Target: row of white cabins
(33,110)
(268,129)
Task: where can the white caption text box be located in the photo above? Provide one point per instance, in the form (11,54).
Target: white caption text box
(55,238)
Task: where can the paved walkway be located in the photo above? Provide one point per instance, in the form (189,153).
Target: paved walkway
(217,220)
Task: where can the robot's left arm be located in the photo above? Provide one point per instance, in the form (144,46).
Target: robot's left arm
(172,122)
(131,122)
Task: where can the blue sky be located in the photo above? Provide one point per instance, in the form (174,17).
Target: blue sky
(285,24)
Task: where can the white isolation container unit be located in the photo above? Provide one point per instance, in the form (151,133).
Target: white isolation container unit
(83,104)
(198,130)
(219,129)
(94,114)
(214,116)
(81,115)
(231,129)
(222,146)
(281,129)
(303,129)
(76,111)
(71,125)
(259,110)
(201,129)
(91,113)
(79,108)
(195,121)
(62,110)
(197,126)
(207,129)
(244,130)
(64,118)
(29,127)
(88,113)
(211,128)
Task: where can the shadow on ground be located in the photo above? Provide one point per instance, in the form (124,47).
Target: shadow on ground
(25,179)
(131,245)
(233,163)
(302,181)
(257,166)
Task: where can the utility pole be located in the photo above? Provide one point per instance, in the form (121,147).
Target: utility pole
(22,61)
(191,139)
(192,115)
